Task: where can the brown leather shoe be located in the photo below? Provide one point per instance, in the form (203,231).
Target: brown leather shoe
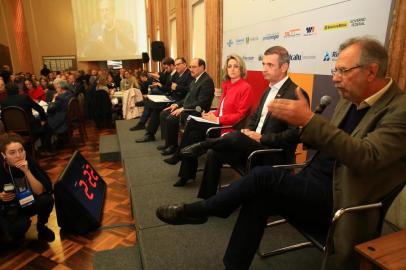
(175,214)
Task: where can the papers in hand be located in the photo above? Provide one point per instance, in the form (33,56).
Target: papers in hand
(159,98)
(199,119)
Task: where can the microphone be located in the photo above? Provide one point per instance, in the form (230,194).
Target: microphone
(324,102)
(197,109)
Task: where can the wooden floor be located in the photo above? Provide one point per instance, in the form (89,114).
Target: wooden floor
(70,251)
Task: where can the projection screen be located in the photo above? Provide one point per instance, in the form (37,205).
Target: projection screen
(109,29)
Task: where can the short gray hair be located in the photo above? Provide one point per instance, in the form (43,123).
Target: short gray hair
(372,51)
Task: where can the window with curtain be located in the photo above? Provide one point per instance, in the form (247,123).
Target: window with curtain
(198,30)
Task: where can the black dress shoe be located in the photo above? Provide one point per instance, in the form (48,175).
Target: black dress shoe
(193,150)
(175,214)
(169,150)
(181,182)
(146,138)
(44,233)
(172,160)
(161,147)
(139,126)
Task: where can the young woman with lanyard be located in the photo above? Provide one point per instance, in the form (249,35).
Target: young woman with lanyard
(25,191)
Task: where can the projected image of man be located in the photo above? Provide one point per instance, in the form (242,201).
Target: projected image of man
(110,35)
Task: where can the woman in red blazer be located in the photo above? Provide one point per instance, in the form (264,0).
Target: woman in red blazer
(235,102)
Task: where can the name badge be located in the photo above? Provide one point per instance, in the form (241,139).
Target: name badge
(23,192)
(25,198)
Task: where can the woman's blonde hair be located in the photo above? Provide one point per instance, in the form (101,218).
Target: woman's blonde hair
(241,63)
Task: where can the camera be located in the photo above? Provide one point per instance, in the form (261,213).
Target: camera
(8,188)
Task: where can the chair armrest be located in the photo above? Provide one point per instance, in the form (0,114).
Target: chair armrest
(215,128)
(257,153)
(338,215)
(290,166)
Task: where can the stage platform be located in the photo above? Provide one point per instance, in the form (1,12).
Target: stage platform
(162,246)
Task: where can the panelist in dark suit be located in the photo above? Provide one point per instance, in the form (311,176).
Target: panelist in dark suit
(361,159)
(162,87)
(179,88)
(201,94)
(263,131)
(235,104)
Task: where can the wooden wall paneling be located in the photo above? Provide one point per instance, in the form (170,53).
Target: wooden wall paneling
(214,34)
(182,29)
(397,45)
(163,23)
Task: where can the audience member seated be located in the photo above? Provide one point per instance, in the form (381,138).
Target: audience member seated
(38,126)
(200,96)
(58,108)
(3,92)
(235,104)
(263,130)
(49,89)
(25,191)
(179,88)
(360,160)
(34,91)
(75,85)
(128,82)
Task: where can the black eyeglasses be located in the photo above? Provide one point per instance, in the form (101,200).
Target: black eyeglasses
(341,71)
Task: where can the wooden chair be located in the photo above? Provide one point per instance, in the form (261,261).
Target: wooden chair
(16,120)
(323,238)
(75,119)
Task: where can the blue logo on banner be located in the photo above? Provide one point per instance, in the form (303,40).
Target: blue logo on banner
(229,43)
(326,57)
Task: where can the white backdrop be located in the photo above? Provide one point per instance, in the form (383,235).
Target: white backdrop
(311,30)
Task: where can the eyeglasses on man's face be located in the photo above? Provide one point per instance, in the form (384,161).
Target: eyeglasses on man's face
(342,71)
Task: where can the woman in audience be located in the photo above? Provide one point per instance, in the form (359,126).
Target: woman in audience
(48,89)
(235,104)
(128,82)
(3,92)
(34,91)
(25,191)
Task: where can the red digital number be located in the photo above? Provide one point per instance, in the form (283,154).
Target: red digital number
(90,196)
(90,176)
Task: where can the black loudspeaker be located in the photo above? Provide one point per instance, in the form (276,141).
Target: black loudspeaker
(145,58)
(79,196)
(157,50)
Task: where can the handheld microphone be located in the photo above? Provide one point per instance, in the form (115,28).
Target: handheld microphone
(324,102)
(197,109)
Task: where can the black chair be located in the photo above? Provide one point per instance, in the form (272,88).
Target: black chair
(322,239)
(102,109)
(16,120)
(75,119)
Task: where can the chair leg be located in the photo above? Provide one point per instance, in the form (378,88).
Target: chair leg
(284,249)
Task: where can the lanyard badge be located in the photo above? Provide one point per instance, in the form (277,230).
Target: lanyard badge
(23,191)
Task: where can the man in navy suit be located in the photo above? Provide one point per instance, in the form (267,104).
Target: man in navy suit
(262,132)
(178,90)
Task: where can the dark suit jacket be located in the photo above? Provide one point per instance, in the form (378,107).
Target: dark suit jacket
(27,104)
(57,112)
(371,162)
(277,133)
(201,93)
(182,87)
